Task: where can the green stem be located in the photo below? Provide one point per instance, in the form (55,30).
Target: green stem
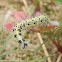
(37,49)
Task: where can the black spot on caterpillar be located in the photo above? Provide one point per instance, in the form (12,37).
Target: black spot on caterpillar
(24,24)
(15,36)
(19,30)
(19,41)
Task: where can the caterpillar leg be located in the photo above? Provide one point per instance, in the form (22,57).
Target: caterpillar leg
(24,45)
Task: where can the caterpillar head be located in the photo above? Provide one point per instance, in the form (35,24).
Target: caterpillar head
(24,45)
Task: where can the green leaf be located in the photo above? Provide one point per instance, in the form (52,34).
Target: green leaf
(41,58)
(3,30)
(31,9)
(57,32)
(6,42)
(37,50)
(10,51)
(38,3)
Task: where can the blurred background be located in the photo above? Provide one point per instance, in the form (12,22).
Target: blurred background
(8,47)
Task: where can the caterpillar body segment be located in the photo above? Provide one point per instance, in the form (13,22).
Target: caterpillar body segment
(25,25)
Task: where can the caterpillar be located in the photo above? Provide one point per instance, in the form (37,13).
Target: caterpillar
(25,25)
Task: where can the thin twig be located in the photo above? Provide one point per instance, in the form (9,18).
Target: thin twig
(57,29)
(26,6)
(59,57)
(38,34)
(37,7)
(43,46)
(59,47)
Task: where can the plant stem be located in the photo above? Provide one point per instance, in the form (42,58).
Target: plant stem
(36,50)
(57,45)
(59,57)
(37,6)
(25,3)
(44,47)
